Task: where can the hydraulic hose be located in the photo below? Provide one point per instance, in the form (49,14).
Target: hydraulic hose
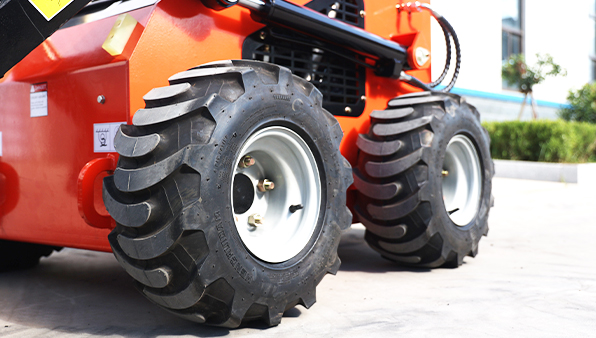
(447,59)
(449,34)
(414,81)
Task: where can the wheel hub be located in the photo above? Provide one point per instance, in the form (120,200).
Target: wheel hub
(281,189)
(243,193)
(462,178)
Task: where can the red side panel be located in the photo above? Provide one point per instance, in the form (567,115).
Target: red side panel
(47,153)
(43,156)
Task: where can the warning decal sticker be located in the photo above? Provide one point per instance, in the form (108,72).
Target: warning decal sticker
(49,8)
(39,99)
(103,136)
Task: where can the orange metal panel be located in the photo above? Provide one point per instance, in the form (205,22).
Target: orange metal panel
(47,152)
(181,35)
(71,49)
(383,19)
(204,36)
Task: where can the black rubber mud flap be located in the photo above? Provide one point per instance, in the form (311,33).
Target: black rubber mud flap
(170,194)
(399,180)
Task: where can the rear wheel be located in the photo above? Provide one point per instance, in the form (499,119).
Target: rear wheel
(229,195)
(424,180)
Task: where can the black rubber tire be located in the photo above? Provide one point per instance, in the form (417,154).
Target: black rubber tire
(170,194)
(399,182)
(20,255)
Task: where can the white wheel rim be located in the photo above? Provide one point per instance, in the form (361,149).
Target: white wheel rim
(461,180)
(284,158)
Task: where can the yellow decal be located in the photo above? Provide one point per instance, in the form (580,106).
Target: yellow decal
(49,8)
(119,35)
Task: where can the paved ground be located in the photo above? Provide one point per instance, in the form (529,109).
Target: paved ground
(535,276)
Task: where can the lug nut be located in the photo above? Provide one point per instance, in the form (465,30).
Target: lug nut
(255,220)
(246,162)
(445,173)
(265,185)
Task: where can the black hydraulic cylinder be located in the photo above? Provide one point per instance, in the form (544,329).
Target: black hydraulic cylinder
(390,55)
(23,26)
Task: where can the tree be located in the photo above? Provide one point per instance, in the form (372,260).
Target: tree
(582,105)
(516,72)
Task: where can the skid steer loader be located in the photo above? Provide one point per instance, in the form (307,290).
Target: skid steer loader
(223,188)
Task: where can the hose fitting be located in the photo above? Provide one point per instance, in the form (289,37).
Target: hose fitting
(449,33)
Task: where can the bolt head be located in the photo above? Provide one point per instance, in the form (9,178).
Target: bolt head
(362,98)
(101,99)
(362,14)
(263,35)
(265,185)
(348,110)
(445,173)
(246,161)
(255,220)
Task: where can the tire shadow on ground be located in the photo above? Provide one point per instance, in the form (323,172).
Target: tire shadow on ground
(77,291)
(356,255)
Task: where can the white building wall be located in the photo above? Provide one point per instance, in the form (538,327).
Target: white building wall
(564,30)
(480,40)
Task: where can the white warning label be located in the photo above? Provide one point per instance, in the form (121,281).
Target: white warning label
(103,136)
(39,99)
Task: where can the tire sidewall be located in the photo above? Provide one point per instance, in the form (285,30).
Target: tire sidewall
(255,110)
(462,120)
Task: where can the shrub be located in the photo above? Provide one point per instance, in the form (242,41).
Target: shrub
(582,105)
(543,140)
(516,72)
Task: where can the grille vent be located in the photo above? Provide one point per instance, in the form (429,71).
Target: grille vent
(347,11)
(340,80)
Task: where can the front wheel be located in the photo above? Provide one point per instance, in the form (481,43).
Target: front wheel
(424,180)
(230,194)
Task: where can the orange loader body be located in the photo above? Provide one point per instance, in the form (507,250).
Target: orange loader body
(50,175)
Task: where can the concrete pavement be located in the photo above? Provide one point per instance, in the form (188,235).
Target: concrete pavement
(535,275)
